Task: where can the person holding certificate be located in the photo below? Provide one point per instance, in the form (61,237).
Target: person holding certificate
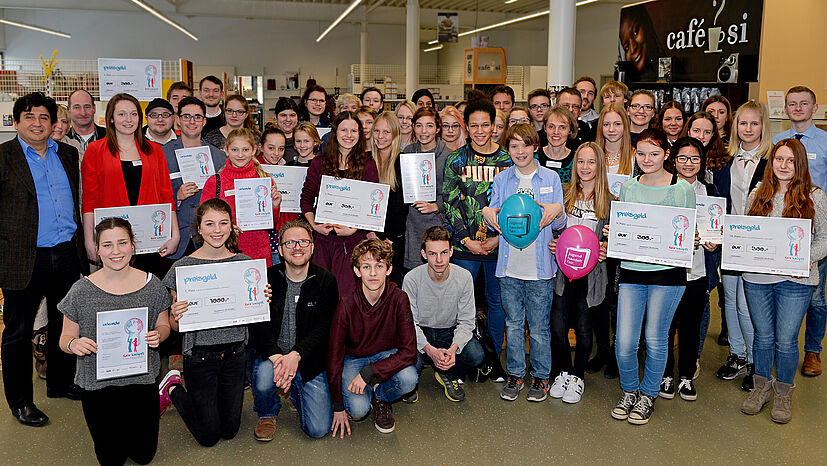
(560,127)
(777,303)
(385,149)
(125,169)
(272,151)
(121,412)
(344,156)
(613,134)
(648,293)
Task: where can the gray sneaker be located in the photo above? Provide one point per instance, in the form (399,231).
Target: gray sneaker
(538,391)
(642,411)
(512,388)
(453,390)
(624,406)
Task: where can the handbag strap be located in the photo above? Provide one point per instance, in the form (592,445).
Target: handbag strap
(218,185)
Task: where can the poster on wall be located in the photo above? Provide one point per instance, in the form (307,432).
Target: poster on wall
(140,78)
(697,35)
(447,27)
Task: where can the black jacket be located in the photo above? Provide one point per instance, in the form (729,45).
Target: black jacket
(318,298)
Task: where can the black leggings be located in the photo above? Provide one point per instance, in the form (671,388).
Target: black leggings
(570,310)
(123,422)
(604,316)
(688,320)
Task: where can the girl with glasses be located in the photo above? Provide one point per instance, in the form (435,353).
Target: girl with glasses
(237,114)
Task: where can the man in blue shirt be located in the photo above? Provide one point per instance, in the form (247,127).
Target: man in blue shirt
(39,240)
(800,106)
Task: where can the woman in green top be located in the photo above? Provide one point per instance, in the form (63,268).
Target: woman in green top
(648,293)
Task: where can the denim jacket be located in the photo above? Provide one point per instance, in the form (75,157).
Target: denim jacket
(506,184)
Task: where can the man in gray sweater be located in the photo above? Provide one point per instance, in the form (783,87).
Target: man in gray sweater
(442,303)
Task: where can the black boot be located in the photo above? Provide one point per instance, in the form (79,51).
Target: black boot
(597,362)
(611,371)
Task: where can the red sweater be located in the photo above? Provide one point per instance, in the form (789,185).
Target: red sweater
(104,186)
(254,243)
(360,330)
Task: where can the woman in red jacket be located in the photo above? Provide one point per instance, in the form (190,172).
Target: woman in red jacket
(125,169)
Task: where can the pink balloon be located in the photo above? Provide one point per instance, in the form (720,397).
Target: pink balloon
(577,251)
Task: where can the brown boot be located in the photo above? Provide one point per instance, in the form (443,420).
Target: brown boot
(265,429)
(782,404)
(382,415)
(758,397)
(812,364)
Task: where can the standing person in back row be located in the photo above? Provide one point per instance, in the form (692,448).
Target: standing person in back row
(211,92)
(82,111)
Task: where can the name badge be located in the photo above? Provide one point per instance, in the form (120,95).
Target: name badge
(553,164)
(811,155)
(229,192)
(136,163)
(546,189)
(175,176)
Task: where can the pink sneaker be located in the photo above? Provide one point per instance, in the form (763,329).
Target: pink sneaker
(173,377)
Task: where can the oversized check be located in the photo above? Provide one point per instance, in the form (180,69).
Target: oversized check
(652,233)
(121,340)
(195,165)
(254,203)
(772,245)
(352,203)
(151,224)
(710,218)
(138,77)
(222,294)
(615,182)
(289,181)
(418,177)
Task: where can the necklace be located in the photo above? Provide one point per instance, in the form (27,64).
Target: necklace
(612,159)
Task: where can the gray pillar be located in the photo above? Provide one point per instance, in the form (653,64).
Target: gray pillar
(561,26)
(412,48)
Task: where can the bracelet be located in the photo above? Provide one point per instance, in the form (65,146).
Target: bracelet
(69,345)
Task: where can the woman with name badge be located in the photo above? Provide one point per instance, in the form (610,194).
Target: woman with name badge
(240,147)
(719,107)
(588,202)
(313,107)
(287,117)
(405,111)
(108,403)
(453,128)
(344,157)
(126,169)
(307,142)
(385,149)
(648,293)
(749,148)
(777,303)
(613,134)
(560,126)
(238,115)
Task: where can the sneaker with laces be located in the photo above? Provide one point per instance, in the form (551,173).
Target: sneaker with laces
(173,377)
(686,389)
(624,406)
(574,390)
(453,391)
(558,388)
(382,415)
(512,388)
(642,411)
(538,391)
(265,429)
(733,367)
(667,388)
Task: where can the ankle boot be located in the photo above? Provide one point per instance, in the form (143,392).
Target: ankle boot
(782,404)
(758,397)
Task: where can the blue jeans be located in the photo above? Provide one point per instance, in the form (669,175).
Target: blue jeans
(737,316)
(390,390)
(777,310)
(657,304)
(311,399)
(816,314)
(527,300)
(470,356)
(496,315)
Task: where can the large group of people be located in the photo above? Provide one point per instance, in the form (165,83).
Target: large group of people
(355,315)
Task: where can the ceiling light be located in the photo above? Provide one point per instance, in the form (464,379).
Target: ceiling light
(35,28)
(433,42)
(339,19)
(509,2)
(584,2)
(164,18)
(433,49)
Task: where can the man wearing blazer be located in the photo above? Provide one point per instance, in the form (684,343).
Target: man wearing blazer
(41,247)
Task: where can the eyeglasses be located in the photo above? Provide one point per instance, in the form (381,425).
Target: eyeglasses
(637,107)
(315,101)
(539,106)
(293,244)
(159,115)
(683,159)
(188,117)
(447,127)
(236,112)
(514,121)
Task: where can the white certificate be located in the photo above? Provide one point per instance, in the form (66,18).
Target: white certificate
(615,181)
(652,233)
(140,78)
(195,164)
(223,294)
(773,245)
(151,224)
(121,339)
(254,203)
(322,131)
(352,203)
(289,181)
(710,217)
(418,177)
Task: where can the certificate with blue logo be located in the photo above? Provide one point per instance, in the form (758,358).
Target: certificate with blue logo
(418,177)
(195,165)
(289,181)
(121,339)
(352,203)
(711,212)
(652,233)
(254,203)
(222,294)
(151,224)
(772,245)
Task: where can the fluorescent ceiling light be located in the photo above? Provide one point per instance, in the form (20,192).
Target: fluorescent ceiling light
(433,49)
(164,18)
(517,20)
(508,2)
(339,19)
(433,42)
(35,28)
(584,2)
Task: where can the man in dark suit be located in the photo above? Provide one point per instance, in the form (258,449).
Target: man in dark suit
(42,250)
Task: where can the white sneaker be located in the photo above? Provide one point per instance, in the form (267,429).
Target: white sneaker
(574,390)
(558,388)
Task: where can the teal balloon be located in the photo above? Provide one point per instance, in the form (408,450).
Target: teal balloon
(519,220)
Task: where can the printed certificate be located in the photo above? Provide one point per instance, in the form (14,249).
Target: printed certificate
(710,217)
(772,245)
(195,164)
(352,203)
(615,181)
(289,181)
(121,339)
(254,203)
(223,294)
(140,78)
(418,177)
(151,224)
(652,233)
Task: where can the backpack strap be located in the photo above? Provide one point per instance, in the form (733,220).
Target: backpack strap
(217,185)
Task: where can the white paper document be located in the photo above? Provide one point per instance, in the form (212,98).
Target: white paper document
(254,203)
(652,233)
(615,182)
(140,78)
(418,177)
(195,164)
(289,181)
(352,203)
(151,224)
(710,218)
(121,340)
(772,245)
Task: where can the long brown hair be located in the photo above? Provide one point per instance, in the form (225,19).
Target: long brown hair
(110,224)
(219,205)
(626,150)
(728,123)
(356,158)
(601,195)
(797,200)
(717,156)
(111,135)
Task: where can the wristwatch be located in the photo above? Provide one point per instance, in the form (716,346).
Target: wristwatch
(462,241)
